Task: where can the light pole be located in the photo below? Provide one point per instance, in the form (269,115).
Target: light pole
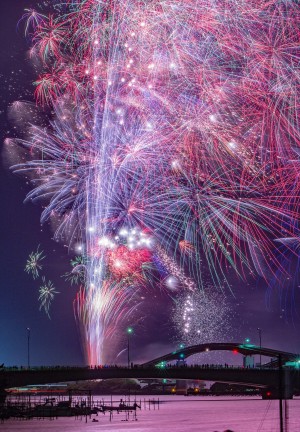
(259,334)
(28,347)
(129,332)
(280,393)
(246,361)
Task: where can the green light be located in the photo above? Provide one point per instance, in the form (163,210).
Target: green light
(161,365)
(181,346)
(129,330)
(181,355)
(247,340)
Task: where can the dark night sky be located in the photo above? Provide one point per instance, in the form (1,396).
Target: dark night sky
(56,341)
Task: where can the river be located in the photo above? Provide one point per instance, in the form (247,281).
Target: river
(177,414)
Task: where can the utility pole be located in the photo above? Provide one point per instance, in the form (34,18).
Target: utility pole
(259,334)
(129,332)
(28,347)
(280,370)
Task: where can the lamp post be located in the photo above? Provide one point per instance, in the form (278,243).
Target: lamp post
(259,335)
(246,361)
(28,347)
(129,332)
(280,392)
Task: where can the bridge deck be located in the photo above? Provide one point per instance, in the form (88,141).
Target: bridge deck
(255,377)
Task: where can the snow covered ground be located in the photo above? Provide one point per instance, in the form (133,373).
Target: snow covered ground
(178,414)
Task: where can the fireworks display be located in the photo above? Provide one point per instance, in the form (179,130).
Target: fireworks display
(172,147)
(78,273)
(46,295)
(34,263)
(201,317)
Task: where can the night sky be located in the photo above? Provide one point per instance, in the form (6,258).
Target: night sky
(57,341)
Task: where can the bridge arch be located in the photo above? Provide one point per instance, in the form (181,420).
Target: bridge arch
(241,348)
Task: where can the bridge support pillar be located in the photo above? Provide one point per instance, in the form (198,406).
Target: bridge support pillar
(3,395)
(288,388)
(273,392)
(181,387)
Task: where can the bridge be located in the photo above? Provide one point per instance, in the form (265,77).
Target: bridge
(281,379)
(241,348)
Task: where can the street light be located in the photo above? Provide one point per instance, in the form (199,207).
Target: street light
(129,332)
(259,334)
(28,347)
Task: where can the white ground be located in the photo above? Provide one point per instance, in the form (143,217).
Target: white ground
(178,414)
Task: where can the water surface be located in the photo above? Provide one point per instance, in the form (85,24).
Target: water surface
(177,414)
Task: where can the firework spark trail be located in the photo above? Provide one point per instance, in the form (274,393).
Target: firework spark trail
(46,295)
(34,264)
(177,118)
